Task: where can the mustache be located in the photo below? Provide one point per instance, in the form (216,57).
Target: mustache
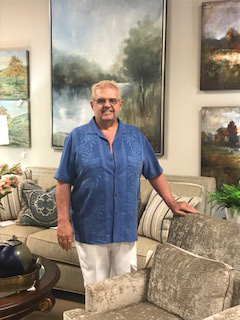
(107,109)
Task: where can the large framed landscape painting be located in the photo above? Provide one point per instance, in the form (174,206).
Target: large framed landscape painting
(220,45)
(120,40)
(18,120)
(14,74)
(220,156)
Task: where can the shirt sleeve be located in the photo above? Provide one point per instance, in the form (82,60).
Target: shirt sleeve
(151,167)
(65,170)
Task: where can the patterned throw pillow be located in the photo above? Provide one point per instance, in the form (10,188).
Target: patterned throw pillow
(10,205)
(156,219)
(39,207)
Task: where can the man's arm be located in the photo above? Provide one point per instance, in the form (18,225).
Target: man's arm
(65,230)
(161,185)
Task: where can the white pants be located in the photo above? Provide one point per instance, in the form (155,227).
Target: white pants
(102,261)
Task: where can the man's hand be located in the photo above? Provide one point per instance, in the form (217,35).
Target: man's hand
(65,230)
(160,184)
(182,208)
(65,235)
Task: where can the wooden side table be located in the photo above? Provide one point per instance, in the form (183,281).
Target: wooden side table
(19,305)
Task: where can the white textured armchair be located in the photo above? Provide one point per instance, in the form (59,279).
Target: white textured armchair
(180,285)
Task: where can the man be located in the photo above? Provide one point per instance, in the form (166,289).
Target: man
(102,162)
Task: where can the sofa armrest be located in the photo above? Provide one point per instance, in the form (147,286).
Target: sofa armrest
(228,314)
(117,292)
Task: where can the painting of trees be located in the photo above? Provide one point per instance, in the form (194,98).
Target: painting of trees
(220,152)
(142,62)
(14,75)
(96,45)
(18,119)
(16,69)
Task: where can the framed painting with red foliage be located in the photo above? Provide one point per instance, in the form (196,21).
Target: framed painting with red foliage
(220,140)
(14,74)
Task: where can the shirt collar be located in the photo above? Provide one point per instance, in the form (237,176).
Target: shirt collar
(94,129)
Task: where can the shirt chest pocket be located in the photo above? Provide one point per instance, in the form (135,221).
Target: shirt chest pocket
(134,164)
(87,159)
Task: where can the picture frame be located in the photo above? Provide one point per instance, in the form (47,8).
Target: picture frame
(220,45)
(14,75)
(18,122)
(96,43)
(220,144)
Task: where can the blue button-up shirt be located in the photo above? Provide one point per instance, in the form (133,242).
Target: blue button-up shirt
(106,185)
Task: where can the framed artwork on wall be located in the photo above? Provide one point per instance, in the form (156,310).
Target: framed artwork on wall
(120,40)
(220,144)
(18,122)
(14,74)
(220,45)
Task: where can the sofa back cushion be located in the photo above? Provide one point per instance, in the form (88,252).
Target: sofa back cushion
(189,285)
(188,189)
(156,219)
(188,186)
(44,177)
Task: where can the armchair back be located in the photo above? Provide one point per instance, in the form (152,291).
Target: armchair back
(217,239)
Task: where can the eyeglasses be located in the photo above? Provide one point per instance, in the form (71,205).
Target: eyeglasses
(102,101)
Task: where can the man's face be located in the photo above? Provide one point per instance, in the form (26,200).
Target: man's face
(106,104)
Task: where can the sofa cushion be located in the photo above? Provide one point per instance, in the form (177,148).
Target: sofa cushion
(39,207)
(140,311)
(45,243)
(10,205)
(21,232)
(156,219)
(188,285)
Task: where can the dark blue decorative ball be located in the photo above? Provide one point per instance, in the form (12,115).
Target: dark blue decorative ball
(15,258)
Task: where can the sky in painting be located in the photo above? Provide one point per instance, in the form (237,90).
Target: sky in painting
(15,108)
(95,29)
(5,57)
(214,118)
(219,17)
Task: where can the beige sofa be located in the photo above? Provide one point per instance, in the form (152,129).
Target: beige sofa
(43,242)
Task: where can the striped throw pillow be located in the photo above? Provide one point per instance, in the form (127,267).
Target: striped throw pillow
(156,219)
(10,205)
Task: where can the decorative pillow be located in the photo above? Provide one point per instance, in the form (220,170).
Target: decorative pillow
(156,219)
(39,207)
(10,205)
(188,285)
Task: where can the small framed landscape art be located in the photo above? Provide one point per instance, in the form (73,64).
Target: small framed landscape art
(14,74)
(220,140)
(18,122)
(120,40)
(220,45)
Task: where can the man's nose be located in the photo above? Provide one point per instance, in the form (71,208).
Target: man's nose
(107,103)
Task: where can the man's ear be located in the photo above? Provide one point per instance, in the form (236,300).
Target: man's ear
(121,104)
(91,104)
